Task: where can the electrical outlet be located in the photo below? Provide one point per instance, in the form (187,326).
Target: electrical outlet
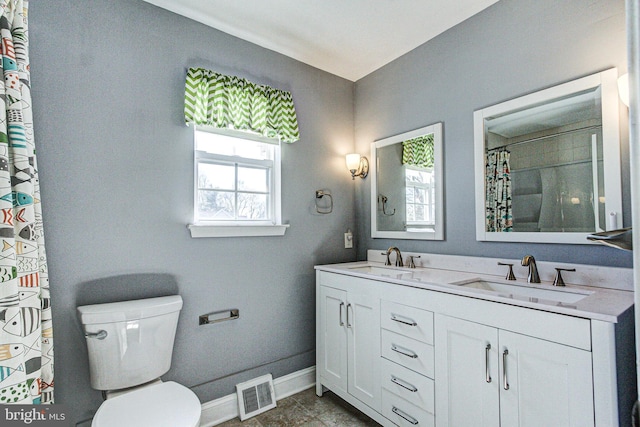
(348,240)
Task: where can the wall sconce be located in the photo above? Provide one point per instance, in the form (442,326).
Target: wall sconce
(623,89)
(357,165)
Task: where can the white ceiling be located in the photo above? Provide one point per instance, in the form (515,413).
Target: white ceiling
(348,38)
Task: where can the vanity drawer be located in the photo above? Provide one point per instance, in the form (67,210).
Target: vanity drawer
(408,352)
(404,413)
(409,321)
(409,385)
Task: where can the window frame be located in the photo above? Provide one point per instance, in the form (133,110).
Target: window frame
(272,226)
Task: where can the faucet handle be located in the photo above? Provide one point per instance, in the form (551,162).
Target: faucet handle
(510,275)
(557,281)
(411,262)
(388,261)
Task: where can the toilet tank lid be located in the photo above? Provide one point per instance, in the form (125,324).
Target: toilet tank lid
(129,310)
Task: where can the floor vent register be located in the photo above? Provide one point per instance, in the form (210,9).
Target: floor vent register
(255,396)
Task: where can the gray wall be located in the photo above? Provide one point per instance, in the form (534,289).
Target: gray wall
(510,49)
(116,169)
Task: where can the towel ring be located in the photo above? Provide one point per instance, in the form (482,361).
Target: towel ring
(324,210)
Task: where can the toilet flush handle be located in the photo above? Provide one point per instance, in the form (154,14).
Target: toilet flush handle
(101,334)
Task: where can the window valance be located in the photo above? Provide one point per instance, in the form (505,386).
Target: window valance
(418,151)
(223,101)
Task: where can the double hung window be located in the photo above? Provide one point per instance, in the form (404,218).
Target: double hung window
(237,183)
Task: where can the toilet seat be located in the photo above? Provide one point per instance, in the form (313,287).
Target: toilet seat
(166,404)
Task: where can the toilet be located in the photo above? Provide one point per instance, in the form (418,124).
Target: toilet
(130,344)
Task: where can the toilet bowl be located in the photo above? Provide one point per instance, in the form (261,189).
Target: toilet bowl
(166,404)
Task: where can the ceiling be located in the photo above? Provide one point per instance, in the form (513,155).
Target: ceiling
(348,38)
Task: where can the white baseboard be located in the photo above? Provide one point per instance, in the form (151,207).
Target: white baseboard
(226,408)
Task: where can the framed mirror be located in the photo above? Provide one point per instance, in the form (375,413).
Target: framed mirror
(547,165)
(406,185)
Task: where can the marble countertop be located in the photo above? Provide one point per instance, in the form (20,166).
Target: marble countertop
(593,302)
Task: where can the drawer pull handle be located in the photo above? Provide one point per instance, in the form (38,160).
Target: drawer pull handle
(341,307)
(505,384)
(486,363)
(404,415)
(404,384)
(409,322)
(404,351)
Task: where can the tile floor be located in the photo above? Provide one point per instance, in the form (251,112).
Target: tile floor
(307,409)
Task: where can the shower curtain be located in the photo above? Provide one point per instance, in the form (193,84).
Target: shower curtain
(499,214)
(26,334)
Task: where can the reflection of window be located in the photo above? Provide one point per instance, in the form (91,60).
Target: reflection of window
(236,180)
(420,196)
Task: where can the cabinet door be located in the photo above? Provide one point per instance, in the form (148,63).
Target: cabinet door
(544,383)
(466,372)
(332,357)
(363,325)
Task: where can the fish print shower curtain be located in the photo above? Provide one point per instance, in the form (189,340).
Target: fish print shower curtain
(499,215)
(26,335)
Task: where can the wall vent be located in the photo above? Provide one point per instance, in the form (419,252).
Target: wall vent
(255,396)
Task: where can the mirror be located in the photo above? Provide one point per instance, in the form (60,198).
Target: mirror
(547,165)
(406,185)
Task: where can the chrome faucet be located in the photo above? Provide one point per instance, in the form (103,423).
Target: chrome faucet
(530,261)
(399,262)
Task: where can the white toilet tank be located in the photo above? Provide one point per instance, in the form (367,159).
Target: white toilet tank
(138,343)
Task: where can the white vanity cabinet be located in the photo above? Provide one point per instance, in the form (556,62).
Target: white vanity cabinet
(492,377)
(348,337)
(419,356)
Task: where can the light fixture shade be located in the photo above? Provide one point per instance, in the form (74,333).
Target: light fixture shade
(623,88)
(353,161)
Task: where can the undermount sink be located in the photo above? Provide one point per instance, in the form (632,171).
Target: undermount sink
(380,271)
(527,293)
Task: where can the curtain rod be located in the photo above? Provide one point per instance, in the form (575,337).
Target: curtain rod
(539,138)
(575,162)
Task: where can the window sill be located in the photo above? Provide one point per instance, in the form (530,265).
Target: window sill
(200,230)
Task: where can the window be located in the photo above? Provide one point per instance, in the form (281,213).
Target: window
(420,197)
(237,184)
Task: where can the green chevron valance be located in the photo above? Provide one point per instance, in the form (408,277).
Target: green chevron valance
(418,151)
(222,101)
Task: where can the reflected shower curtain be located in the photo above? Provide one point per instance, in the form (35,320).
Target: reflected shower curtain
(499,215)
(26,335)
